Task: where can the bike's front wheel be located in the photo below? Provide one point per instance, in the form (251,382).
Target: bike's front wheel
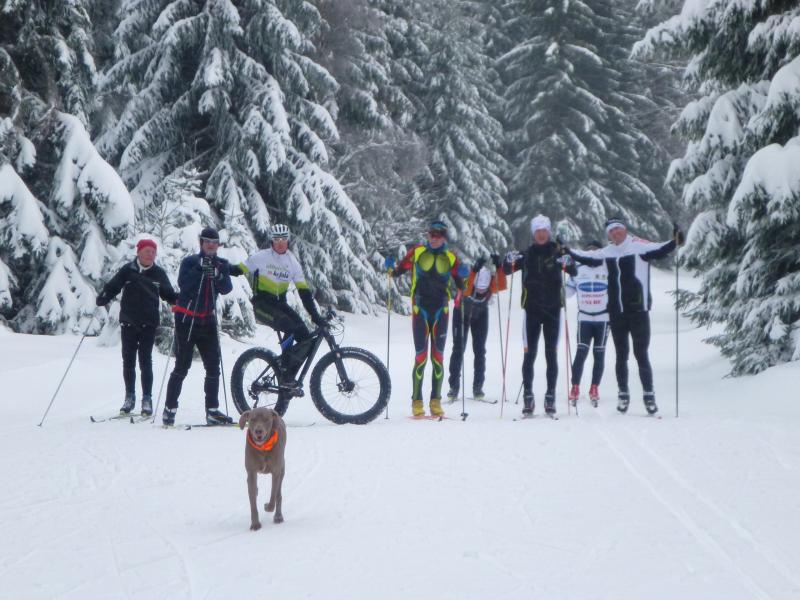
(356,391)
(254,382)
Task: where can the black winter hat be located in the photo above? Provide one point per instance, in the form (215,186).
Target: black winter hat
(209,233)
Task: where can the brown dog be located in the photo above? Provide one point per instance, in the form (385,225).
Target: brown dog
(263,453)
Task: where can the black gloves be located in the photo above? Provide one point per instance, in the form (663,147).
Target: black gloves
(223,268)
(678,235)
(478,264)
(100,300)
(207,266)
(496,261)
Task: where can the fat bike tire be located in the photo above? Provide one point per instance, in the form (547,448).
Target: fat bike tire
(358,400)
(254,371)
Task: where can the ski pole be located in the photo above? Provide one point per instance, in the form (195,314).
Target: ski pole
(568,352)
(388,325)
(677,268)
(519,393)
(196,303)
(219,344)
(64,376)
(172,341)
(500,327)
(508,329)
(464,331)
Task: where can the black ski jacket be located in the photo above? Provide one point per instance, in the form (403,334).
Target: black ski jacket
(541,275)
(141,290)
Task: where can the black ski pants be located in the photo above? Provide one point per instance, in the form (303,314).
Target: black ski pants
(469,317)
(541,321)
(137,340)
(203,337)
(632,326)
(590,334)
(284,319)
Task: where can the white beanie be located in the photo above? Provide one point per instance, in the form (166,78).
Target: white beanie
(540,222)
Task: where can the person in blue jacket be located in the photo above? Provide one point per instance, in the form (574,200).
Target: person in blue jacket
(201,278)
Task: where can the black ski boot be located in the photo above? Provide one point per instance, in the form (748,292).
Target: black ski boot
(550,402)
(528,404)
(168,416)
(215,417)
(147,405)
(130,402)
(623,400)
(650,403)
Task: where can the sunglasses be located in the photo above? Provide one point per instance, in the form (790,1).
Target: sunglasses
(437,234)
(209,241)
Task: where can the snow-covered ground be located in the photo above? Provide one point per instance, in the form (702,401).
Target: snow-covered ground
(598,506)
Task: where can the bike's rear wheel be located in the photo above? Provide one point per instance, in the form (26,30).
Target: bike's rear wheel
(255,377)
(358,398)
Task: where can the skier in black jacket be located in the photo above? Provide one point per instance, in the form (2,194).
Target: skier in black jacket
(142,283)
(201,278)
(541,266)
(627,259)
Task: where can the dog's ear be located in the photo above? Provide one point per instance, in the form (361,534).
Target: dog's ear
(243,419)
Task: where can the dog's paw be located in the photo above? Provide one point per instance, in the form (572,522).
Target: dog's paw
(269,506)
(255,526)
(278,518)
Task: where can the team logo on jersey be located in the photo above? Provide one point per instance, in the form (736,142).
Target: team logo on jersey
(279,274)
(593,286)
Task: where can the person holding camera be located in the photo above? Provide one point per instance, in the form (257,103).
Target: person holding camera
(201,278)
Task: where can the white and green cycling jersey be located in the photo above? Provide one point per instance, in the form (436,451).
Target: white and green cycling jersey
(275,272)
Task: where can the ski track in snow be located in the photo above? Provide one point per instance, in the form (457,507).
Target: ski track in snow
(732,559)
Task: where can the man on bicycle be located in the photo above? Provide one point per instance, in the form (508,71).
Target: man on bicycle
(271,271)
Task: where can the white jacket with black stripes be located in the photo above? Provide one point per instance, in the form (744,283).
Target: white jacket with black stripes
(628,266)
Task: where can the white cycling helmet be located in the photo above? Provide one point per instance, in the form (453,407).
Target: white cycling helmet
(279,231)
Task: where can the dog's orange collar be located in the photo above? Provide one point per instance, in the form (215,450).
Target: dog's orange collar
(266,446)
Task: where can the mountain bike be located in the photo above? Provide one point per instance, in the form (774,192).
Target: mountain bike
(348,384)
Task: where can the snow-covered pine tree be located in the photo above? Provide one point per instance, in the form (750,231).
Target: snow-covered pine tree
(574,148)
(466,162)
(739,172)
(377,155)
(232,92)
(48,68)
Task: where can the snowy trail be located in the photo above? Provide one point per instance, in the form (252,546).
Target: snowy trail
(597,506)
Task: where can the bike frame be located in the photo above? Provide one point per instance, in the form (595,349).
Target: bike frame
(319,334)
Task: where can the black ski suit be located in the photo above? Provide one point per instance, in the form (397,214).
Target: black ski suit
(542,301)
(142,289)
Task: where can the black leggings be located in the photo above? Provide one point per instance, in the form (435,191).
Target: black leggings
(137,340)
(477,318)
(284,319)
(590,333)
(204,337)
(536,321)
(637,326)
(280,316)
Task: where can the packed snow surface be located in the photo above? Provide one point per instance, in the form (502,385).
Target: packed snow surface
(599,505)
